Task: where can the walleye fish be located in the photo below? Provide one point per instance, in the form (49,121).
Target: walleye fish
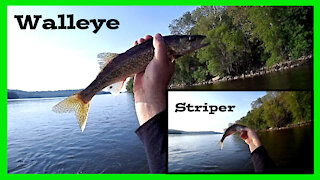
(116,68)
(231,130)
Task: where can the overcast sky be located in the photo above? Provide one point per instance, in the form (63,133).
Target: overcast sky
(66,59)
(203,121)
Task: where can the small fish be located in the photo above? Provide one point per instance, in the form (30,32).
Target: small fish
(231,130)
(116,68)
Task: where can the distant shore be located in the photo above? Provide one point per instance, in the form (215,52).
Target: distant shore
(19,94)
(173,131)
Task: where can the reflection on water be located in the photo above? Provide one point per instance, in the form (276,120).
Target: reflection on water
(291,150)
(202,154)
(41,141)
(299,78)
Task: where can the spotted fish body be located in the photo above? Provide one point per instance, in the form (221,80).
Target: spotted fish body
(116,68)
(231,130)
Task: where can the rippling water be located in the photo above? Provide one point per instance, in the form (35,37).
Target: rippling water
(290,149)
(41,141)
(202,154)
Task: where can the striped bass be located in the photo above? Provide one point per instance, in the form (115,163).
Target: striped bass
(231,130)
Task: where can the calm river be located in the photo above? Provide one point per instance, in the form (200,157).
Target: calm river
(290,149)
(41,141)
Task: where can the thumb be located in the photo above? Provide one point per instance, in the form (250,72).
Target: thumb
(160,49)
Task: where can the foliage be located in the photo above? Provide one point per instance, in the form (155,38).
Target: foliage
(129,86)
(242,39)
(277,109)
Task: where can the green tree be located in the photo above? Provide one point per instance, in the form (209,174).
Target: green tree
(277,109)
(129,86)
(225,54)
(243,38)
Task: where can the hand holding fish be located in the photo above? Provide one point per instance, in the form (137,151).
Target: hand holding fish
(247,134)
(251,138)
(150,85)
(152,58)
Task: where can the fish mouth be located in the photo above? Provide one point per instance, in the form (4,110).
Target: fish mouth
(198,46)
(199,41)
(204,44)
(201,45)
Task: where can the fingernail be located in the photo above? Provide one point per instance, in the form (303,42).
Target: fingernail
(158,36)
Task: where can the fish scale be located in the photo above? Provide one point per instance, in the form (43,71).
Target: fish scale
(231,130)
(115,71)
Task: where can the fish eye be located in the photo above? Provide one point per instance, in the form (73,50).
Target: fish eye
(192,38)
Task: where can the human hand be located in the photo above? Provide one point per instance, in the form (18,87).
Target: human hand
(251,138)
(150,86)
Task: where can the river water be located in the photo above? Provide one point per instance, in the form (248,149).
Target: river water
(290,149)
(41,141)
(299,78)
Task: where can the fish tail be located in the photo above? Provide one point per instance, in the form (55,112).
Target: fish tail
(221,145)
(75,104)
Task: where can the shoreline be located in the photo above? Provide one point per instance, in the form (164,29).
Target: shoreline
(289,126)
(282,66)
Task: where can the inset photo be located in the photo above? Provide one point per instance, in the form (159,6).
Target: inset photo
(240,132)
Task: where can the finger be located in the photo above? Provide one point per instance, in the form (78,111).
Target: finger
(244,135)
(247,129)
(147,37)
(137,77)
(137,83)
(141,40)
(160,50)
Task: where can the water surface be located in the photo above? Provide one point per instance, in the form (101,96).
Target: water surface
(202,154)
(291,150)
(41,141)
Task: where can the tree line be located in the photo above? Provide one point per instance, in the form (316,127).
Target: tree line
(278,109)
(242,39)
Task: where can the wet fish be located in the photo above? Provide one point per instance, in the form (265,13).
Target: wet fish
(116,68)
(231,130)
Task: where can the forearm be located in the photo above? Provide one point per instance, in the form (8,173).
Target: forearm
(154,136)
(148,107)
(262,161)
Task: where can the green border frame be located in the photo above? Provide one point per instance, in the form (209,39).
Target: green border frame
(3,86)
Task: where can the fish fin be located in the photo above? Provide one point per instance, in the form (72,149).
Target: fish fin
(221,145)
(105,58)
(75,104)
(116,87)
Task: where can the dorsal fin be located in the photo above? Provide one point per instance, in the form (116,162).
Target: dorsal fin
(105,58)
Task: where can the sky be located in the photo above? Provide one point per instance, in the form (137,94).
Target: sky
(41,60)
(203,121)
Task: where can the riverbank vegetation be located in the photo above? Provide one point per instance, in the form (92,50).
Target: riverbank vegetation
(279,109)
(242,39)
